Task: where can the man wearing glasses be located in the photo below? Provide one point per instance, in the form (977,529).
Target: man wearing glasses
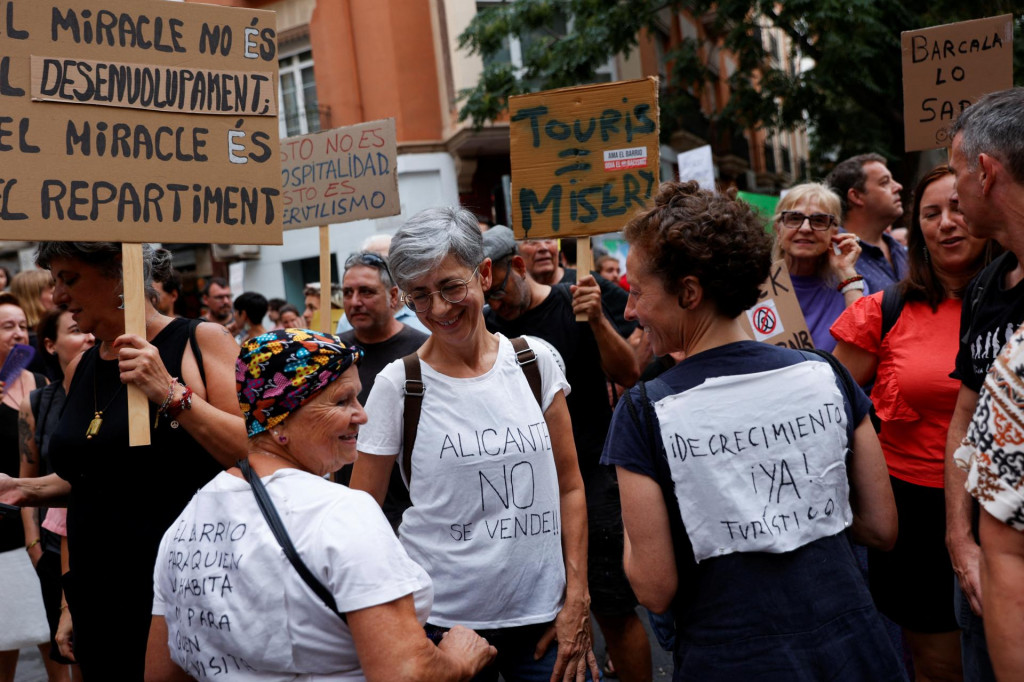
(370,297)
(592,349)
(871,203)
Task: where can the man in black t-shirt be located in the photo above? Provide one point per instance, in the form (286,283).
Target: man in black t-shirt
(590,350)
(988,161)
(370,297)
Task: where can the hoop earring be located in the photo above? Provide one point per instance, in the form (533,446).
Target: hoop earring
(121,307)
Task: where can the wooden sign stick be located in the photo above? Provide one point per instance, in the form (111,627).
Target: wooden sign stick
(583,266)
(325,279)
(135,323)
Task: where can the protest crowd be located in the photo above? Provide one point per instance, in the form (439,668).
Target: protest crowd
(495,447)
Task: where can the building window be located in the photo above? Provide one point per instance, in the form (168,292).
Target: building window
(513,47)
(298,111)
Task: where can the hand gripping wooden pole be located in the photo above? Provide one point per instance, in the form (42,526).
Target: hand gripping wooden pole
(134,287)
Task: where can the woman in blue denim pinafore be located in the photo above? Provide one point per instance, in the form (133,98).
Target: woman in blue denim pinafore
(746,469)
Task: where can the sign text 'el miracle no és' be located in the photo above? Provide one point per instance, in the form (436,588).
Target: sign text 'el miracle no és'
(584,159)
(340,175)
(138,121)
(945,69)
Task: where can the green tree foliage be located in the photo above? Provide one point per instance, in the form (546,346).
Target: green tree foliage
(851,99)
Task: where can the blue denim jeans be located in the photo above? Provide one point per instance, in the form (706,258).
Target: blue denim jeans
(515,647)
(973,647)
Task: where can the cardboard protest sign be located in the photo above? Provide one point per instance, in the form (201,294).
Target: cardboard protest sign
(697,164)
(340,175)
(946,68)
(584,159)
(776,317)
(138,121)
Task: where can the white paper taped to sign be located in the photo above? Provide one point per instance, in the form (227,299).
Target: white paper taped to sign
(753,473)
(765,320)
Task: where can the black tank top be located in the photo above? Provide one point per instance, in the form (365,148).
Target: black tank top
(122,501)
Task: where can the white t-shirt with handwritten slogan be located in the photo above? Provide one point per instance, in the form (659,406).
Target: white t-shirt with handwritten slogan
(770,477)
(235,606)
(485,520)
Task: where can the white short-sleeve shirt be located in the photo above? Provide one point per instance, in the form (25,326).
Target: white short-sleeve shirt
(485,519)
(235,604)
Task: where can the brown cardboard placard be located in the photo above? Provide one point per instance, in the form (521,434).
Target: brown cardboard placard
(776,317)
(584,159)
(340,175)
(946,68)
(74,171)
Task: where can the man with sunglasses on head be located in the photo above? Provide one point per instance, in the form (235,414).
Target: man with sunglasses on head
(871,202)
(370,299)
(520,305)
(378,245)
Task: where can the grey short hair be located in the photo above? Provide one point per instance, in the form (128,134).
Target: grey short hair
(994,125)
(429,237)
(101,255)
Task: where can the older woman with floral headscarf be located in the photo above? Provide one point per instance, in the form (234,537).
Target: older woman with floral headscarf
(273,571)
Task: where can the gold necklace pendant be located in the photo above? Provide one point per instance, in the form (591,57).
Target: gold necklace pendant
(94,426)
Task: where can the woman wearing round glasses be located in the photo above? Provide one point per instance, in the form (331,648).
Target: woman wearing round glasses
(820,260)
(498,516)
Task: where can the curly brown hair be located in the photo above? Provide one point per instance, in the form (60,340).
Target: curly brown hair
(715,237)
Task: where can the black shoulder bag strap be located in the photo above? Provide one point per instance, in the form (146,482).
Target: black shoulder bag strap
(277,528)
(414,389)
(527,360)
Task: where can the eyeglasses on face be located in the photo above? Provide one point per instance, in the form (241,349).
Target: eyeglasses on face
(454,291)
(498,292)
(819,221)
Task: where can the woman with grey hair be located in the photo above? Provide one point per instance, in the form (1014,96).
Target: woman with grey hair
(819,258)
(498,516)
(121,498)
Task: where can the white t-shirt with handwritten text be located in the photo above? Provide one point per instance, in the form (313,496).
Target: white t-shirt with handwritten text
(485,520)
(235,606)
(770,478)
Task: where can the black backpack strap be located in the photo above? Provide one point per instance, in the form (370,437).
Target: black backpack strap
(196,351)
(527,360)
(413,392)
(893,301)
(281,534)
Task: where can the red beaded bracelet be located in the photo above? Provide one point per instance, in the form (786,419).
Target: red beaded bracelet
(851,280)
(184,403)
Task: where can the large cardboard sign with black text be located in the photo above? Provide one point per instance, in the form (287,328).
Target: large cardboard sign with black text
(946,68)
(776,317)
(584,159)
(138,121)
(340,175)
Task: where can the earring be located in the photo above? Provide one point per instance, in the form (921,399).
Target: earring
(281,438)
(121,307)
(927,256)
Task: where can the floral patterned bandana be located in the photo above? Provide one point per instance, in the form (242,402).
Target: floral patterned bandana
(280,371)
